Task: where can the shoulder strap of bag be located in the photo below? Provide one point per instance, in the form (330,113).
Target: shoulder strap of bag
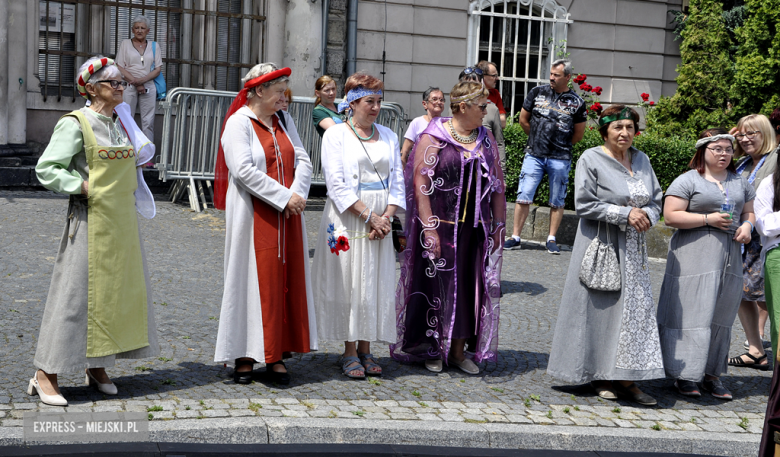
(154,56)
(382,181)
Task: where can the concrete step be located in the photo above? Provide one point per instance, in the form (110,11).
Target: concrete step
(20,173)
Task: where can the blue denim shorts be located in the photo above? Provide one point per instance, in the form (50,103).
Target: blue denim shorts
(532,173)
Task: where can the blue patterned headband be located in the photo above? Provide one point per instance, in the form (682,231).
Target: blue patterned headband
(356,94)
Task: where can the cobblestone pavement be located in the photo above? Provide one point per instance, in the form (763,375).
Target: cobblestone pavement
(184,251)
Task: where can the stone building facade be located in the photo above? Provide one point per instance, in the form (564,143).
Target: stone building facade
(625,46)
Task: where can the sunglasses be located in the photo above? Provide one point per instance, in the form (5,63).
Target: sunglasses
(483,107)
(114,84)
(471,70)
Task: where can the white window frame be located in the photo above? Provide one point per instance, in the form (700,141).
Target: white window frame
(547,10)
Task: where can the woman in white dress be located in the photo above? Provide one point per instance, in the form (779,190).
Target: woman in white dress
(354,292)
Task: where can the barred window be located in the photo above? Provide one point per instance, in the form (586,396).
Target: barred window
(522,37)
(207,44)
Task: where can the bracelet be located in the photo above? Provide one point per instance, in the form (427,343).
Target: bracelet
(360,216)
(369,216)
(752,227)
(705,220)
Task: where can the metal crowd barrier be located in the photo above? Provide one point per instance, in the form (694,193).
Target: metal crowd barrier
(191,127)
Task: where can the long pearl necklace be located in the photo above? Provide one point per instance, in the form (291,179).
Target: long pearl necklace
(462,139)
(373,130)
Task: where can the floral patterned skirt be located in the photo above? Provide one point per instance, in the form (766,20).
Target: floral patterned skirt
(753,282)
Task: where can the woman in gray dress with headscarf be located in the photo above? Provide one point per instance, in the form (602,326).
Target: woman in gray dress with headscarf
(610,339)
(712,208)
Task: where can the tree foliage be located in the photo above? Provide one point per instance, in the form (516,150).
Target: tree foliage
(757,64)
(704,76)
(730,66)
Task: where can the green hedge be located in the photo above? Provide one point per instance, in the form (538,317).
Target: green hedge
(669,157)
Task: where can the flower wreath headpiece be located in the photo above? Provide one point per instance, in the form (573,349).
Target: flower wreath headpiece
(91,70)
(625,113)
(221,170)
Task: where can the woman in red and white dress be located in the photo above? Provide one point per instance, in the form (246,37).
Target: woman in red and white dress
(262,181)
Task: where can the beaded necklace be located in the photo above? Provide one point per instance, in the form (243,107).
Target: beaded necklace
(373,130)
(462,139)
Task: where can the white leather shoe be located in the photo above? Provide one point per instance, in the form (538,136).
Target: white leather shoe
(35,389)
(108,389)
(467,365)
(433,365)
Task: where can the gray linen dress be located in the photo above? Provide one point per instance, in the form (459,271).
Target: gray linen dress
(702,285)
(609,335)
(62,341)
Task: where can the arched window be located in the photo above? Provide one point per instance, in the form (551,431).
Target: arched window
(522,37)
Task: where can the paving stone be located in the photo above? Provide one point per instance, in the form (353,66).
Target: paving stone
(532,283)
(623,423)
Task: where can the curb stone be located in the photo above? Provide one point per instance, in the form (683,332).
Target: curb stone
(256,430)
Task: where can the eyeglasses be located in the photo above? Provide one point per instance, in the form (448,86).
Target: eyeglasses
(483,107)
(435,100)
(721,151)
(749,135)
(495,75)
(471,70)
(114,84)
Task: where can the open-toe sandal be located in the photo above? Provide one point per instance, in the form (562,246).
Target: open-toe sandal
(352,371)
(370,366)
(242,377)
(277,376)
(755,362)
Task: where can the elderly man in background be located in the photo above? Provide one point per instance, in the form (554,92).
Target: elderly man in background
(553,117)
(490,78)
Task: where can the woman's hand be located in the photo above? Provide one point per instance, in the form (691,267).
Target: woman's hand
(295,205)
(721,221)
(380,227)
(742,234)
(85,188)
(638,219)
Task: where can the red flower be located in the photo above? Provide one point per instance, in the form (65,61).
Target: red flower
(645,97)
(342,244)
(652,103)
(586,87)
(638,133)
(580,79)
(596,107)
(597,90)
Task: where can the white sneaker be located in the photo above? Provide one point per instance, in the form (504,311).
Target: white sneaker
(467,365)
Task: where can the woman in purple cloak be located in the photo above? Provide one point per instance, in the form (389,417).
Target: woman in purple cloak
(456,213)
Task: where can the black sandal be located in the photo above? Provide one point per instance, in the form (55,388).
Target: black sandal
(756,362)
(275,376)
(242,377)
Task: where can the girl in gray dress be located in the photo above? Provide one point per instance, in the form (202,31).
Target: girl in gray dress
(610,339)
(712,208)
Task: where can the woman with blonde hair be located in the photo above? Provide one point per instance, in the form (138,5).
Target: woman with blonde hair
(325,114)
(449,289)
(757,159)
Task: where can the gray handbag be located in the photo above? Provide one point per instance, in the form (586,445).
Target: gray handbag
(600,269)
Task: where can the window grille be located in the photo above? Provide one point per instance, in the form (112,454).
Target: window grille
(206,44)
(522,37)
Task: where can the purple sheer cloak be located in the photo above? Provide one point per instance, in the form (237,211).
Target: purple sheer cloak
(437,176)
